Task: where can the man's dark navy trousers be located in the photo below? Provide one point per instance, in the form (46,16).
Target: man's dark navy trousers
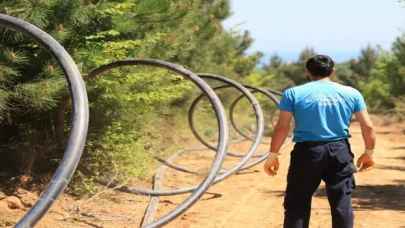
(310,163)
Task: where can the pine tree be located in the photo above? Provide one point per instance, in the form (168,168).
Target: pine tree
(360,69)
(275,69)
(34,95)
(296,70)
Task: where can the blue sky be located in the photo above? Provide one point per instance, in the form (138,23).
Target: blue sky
(337,28)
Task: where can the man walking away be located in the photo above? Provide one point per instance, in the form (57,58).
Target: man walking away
(322,110)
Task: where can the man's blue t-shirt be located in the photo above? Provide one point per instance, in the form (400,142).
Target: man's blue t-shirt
(322,110)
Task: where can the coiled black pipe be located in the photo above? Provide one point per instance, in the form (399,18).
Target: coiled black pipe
(223,175)
(80,124)
(152,207)
(198,99)
(256,142)
(157,192)
(259,124)
(240,166)
(80,115)
(233,105)
(157,184)
(270,94)
(198,191)
(180,168)
(262,157)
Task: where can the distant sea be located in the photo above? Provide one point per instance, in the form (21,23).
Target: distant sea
(289,57)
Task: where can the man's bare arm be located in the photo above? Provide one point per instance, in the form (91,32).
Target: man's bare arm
(367,129)
(366,161)
(280,131)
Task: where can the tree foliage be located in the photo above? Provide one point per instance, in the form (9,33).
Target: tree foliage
(33,91)
(34,110)
(378,74)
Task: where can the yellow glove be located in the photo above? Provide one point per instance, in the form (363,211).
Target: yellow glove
(271,165)
(366,161)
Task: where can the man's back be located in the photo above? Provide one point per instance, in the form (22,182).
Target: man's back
(322,110)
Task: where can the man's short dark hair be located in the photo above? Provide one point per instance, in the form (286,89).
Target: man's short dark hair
(320,65)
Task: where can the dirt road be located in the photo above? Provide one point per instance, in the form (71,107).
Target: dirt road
(253,199)
(247,199)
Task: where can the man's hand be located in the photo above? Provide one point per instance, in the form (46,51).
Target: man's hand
(271,165)
(366,161)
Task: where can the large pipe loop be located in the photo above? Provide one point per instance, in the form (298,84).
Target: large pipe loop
(80,117)
(78,134)
(199,190)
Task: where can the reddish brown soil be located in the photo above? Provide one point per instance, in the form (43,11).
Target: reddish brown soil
(249,198)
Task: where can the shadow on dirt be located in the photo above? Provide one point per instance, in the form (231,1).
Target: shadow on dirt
(390,167)
(10,182)
(395,158)
(89,223)
(214,196)
(274,193)
(246,172)
(375,197)
(383,132)
(399,148)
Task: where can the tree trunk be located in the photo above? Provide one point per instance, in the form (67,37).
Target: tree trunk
(59,121)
